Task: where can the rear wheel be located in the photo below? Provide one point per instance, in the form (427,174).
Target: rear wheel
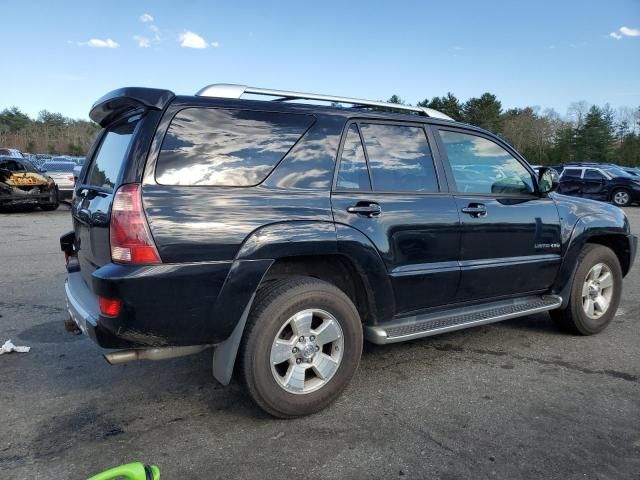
(621,197)
(595,294)
(301,347)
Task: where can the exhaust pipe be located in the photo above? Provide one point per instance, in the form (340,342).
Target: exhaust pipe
(125,356)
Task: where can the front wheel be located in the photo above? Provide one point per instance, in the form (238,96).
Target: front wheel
(621,197)
(595,294)
(301,347)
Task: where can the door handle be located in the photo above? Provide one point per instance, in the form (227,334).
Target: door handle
(475,210)
(368,209)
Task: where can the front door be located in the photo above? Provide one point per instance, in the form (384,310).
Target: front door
(594,185)
(510,234)
(389,188)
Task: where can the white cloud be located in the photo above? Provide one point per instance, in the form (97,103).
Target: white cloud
(191,40)
(156,32)
(215,44)
(143,42)
(625,32)
(146,18)
(99,43)
(630,32)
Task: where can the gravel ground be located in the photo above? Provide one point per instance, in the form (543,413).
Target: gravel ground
(516,399)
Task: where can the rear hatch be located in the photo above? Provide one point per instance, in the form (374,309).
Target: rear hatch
(92,203)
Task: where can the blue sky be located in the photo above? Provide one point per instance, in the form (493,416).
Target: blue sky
(543,53)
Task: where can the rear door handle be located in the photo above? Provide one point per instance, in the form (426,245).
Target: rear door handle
(368,209)
(475,210)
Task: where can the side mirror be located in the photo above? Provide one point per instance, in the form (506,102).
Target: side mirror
(548,180)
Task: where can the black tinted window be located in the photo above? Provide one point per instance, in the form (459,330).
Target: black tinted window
(108,159)
(399,158)
(353,173)
(482,166)
(226,147)
(593,175)
(12,166)
(572,173)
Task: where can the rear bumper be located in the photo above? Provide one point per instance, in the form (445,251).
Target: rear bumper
(164,305)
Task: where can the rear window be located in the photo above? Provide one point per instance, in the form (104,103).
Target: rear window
(108,160)
(58,166)
(220,147)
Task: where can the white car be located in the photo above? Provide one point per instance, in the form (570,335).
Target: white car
(62,174)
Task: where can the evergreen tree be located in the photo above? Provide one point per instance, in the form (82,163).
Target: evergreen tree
(484,112)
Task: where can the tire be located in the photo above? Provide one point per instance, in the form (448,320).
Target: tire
(280,313)
(575,317)
(621,197)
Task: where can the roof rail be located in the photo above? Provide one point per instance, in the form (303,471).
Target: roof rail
(225,90)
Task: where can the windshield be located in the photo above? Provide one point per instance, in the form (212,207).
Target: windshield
(616,172)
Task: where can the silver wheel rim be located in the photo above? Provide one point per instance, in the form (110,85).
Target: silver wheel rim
(597,291)
(307,351)
(621,198)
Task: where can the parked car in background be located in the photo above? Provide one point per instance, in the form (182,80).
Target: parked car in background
(284,234)
(598,181)
(62,173)
(22,184)
(11,152)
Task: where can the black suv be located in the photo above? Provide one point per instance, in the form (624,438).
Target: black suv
(600,181)
(283,234)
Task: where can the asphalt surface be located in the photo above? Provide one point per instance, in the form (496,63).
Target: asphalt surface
(511,400)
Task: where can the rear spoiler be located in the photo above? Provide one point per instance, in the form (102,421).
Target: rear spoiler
(118,103)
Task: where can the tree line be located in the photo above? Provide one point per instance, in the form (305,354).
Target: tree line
(543,137)
(51,133)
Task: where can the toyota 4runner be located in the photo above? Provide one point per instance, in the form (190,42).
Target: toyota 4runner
(282,234)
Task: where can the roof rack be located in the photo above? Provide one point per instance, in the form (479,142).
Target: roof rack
(226,90)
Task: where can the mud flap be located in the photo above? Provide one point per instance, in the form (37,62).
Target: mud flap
(224,355)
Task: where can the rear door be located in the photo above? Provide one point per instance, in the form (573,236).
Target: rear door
(91,205)
(388,187)
(510,234)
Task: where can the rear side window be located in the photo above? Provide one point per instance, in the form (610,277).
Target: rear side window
(219,147)
(572,173)
(399,158)
(353,174)
(108,159)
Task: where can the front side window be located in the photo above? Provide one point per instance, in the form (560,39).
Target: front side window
(591,174)
(482,166)
(353,174)
(399,157)
(219,147)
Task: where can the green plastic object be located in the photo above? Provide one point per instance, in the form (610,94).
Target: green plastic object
(130,471)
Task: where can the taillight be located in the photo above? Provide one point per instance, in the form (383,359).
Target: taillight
(131,241)
(109,307)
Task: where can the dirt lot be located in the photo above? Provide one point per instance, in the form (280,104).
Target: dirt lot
(512,400)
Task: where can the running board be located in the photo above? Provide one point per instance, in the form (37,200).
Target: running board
(428,324)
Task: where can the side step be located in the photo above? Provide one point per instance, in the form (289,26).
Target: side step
(424,325)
